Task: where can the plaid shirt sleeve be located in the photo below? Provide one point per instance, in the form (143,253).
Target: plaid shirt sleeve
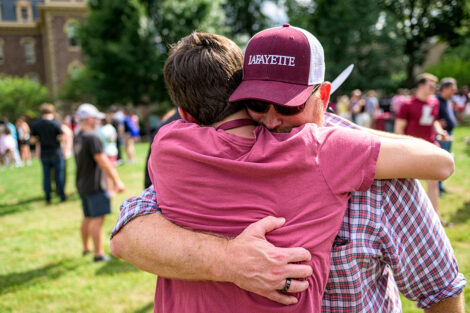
(419,252)
(135,207)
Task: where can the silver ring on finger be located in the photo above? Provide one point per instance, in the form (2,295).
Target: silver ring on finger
(286,285)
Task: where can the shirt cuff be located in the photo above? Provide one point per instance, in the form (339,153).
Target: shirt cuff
(451,291)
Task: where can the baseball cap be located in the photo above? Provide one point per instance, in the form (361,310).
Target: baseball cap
(87,110)
(282,65)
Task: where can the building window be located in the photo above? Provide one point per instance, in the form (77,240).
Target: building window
(29,53)
(24,15)
(24,11)
(1,51)
(70,29)
(74,69)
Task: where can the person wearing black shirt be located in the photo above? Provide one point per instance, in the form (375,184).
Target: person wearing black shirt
(91,163)
(48,132)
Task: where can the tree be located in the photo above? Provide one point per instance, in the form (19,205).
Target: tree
(455,63)
(245,18)
(352,32)
(20,96)
(126,43)
(120,53)
(420,20)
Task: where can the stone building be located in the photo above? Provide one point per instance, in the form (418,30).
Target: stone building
(38,39)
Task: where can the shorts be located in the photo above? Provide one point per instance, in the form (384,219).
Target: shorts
(96,204)
(24,142)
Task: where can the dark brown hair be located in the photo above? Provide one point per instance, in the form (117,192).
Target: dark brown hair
(201,73)
(46,108)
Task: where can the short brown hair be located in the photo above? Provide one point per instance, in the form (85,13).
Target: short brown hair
(422,78)
(47,108)
(201,72)
(447,82)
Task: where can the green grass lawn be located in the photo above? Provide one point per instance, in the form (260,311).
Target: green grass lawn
(42,270)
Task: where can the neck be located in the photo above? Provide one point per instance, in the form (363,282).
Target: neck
(243,131)
(444,96)
(422,95)
(48,116)
(84,126)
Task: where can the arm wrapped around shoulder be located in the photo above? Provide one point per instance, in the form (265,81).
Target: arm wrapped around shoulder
(409,157)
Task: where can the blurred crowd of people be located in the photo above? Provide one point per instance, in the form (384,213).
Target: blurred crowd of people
(430,111)
(119,130)
(377,110)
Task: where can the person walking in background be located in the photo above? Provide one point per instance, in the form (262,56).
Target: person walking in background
(358,109)
(66,145)
(342,107)
(16,153)
(48,132)
(418,117)
(7,145)
(117,120)
(398,100)
(108,136)
(24,136)
(91,163)
(372,106)
(131,130)
(447,89)
(461,100)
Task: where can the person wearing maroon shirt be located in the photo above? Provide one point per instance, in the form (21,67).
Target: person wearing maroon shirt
(418,117)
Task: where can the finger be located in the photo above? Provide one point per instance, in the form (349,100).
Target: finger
(297,286)
(282,298)
(265,225)
(298,271)
(297,254)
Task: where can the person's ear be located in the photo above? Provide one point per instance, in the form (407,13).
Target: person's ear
(186,116)
(325,93)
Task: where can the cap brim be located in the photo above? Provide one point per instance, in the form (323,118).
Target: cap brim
(100,115)
(270,91)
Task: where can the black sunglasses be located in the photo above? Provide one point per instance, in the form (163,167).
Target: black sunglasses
(260,106)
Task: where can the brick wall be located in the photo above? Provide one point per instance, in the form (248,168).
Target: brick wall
(14,62)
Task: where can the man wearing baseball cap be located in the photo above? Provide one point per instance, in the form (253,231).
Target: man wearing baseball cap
(91,163)
(351,292)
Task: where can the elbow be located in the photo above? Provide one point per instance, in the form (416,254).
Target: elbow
(115,247)
(448,168)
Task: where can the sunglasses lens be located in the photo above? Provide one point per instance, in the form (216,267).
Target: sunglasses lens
(257,106)
(284,110)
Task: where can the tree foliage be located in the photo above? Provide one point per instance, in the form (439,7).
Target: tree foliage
(120,53)
(352,32)
(126,43)
(420,20)
(245,18)
(19,96)
(455,63)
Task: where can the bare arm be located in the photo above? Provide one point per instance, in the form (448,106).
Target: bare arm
(155,245)
(440,132)
(400,125)
(108,168)
(409,157)
(450,305)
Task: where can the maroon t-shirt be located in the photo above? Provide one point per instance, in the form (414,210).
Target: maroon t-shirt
(420,116)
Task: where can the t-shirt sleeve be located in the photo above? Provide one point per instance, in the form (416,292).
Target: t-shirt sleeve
(348,158)
(34,130)
(403,111)
(58,128)
(95,145)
